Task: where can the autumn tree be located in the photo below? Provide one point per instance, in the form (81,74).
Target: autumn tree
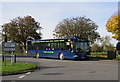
(113,26)
(21,29)
(80,26)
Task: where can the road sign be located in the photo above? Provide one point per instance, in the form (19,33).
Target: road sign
(8,46)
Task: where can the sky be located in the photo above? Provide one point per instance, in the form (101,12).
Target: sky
(50,13)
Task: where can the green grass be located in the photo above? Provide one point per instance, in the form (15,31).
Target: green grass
(16,67)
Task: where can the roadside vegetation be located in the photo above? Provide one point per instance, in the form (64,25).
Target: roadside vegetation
(117,58)
(15,68)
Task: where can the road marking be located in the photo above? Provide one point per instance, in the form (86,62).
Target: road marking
(28,73)
(22,76)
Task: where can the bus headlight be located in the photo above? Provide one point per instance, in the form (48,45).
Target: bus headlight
(75,55)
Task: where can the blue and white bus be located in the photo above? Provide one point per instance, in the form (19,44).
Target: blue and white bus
(64,48)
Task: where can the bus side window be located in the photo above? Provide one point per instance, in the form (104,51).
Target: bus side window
(52,46)
(61,46)
(57,46)
(47,46)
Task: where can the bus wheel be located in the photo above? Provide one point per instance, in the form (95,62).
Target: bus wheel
(61,56)
(37,55)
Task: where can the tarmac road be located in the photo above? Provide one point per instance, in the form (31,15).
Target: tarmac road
(54,69)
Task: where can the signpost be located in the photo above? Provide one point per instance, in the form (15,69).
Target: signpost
(9,47)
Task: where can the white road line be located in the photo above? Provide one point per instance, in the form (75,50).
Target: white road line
(28,73)
(22,76)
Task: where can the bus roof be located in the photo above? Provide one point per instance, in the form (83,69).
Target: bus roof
(71,37)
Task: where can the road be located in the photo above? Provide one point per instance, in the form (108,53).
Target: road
(54,69)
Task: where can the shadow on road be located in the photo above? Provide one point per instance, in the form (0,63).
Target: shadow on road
(53,67)
(53,74)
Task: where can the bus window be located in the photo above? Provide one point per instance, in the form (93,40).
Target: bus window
(56,46)
(52,46)
(82,45)
(61,46)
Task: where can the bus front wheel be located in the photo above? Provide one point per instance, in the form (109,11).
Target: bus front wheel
(61,56)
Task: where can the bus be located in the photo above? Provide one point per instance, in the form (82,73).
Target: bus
(65,48)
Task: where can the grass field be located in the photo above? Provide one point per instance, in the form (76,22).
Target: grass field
(15,68)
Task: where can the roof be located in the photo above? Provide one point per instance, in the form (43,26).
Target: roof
(71,37)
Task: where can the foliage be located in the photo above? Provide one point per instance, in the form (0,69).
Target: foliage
(19,50)
(96,47)
(105,43)
(118,46)
(117,58)
(112,26)
(105,40)
(108,48)
(21,29)
(80,26)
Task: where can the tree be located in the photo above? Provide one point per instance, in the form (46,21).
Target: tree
(22,29)
(96,47)
(113,26)
(80,26)
(105,43)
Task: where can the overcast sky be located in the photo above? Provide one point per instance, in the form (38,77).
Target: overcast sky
(49,14)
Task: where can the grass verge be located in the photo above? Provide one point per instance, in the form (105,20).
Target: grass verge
(15,68)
